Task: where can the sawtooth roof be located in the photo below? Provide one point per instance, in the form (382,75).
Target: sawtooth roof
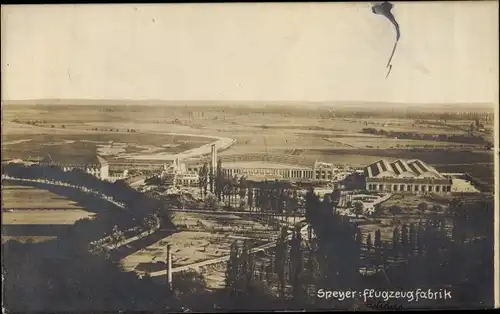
(414,168)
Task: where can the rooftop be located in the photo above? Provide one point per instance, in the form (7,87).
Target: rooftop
(413,168)
(259,165)
(87,160)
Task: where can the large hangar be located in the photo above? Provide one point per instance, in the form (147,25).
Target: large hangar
(405,176)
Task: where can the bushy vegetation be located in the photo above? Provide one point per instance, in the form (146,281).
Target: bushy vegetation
(462,138)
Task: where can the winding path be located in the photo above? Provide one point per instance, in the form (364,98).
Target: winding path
(59,183)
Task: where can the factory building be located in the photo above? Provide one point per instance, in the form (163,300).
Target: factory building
(177,174)
(97,166)
(405,176)
(256,168)
(273,169)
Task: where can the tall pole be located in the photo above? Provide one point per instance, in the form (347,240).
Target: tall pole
(169,267)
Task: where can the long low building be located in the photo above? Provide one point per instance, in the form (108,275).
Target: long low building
(270,170)
(405,176)
(94,165)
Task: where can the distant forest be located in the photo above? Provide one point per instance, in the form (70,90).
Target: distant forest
(309,109)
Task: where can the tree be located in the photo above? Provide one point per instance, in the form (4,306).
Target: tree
(395,210)
(358,209)
(232,268)
(312,202)
(250,197)
(395,241)
(296,265)
(419,237)
(280,260)
(211,178)
(116,237)
(203,178)
(210,202)
(422,207)
(404,237)
(217,175)
(369,245)
(151,222)
(359,237)
(412,237)
(242,190)
(437,208)
(182,200)
(378,241)
(99,247)
(247,266)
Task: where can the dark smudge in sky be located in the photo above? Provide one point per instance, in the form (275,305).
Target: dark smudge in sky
(384,9)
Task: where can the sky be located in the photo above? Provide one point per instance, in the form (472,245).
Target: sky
(448,52)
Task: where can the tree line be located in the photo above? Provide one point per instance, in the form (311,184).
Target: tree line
(466,139)
(267,197)
(139,207)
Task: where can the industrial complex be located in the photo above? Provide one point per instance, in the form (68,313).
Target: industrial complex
(400,176)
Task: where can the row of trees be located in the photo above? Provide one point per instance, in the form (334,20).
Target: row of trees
(466,139)
(112,130)
(30,122)
(288,270)
(268,196)
(415,115)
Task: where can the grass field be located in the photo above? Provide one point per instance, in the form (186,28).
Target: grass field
(32,209)
(24,198)
(35,217)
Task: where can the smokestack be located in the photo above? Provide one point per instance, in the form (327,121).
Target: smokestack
(214,157)
(169,267)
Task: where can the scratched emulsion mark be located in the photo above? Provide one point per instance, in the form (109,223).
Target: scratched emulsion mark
(385,10)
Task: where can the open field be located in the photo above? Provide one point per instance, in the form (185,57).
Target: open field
(52,217)
(35,215)
(206,236)
(27,199)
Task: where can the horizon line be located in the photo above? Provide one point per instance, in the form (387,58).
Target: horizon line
(333,102)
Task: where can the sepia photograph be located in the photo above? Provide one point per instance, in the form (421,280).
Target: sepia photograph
(229,157)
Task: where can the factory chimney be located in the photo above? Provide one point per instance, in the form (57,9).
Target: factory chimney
(169,267)
(214,157)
